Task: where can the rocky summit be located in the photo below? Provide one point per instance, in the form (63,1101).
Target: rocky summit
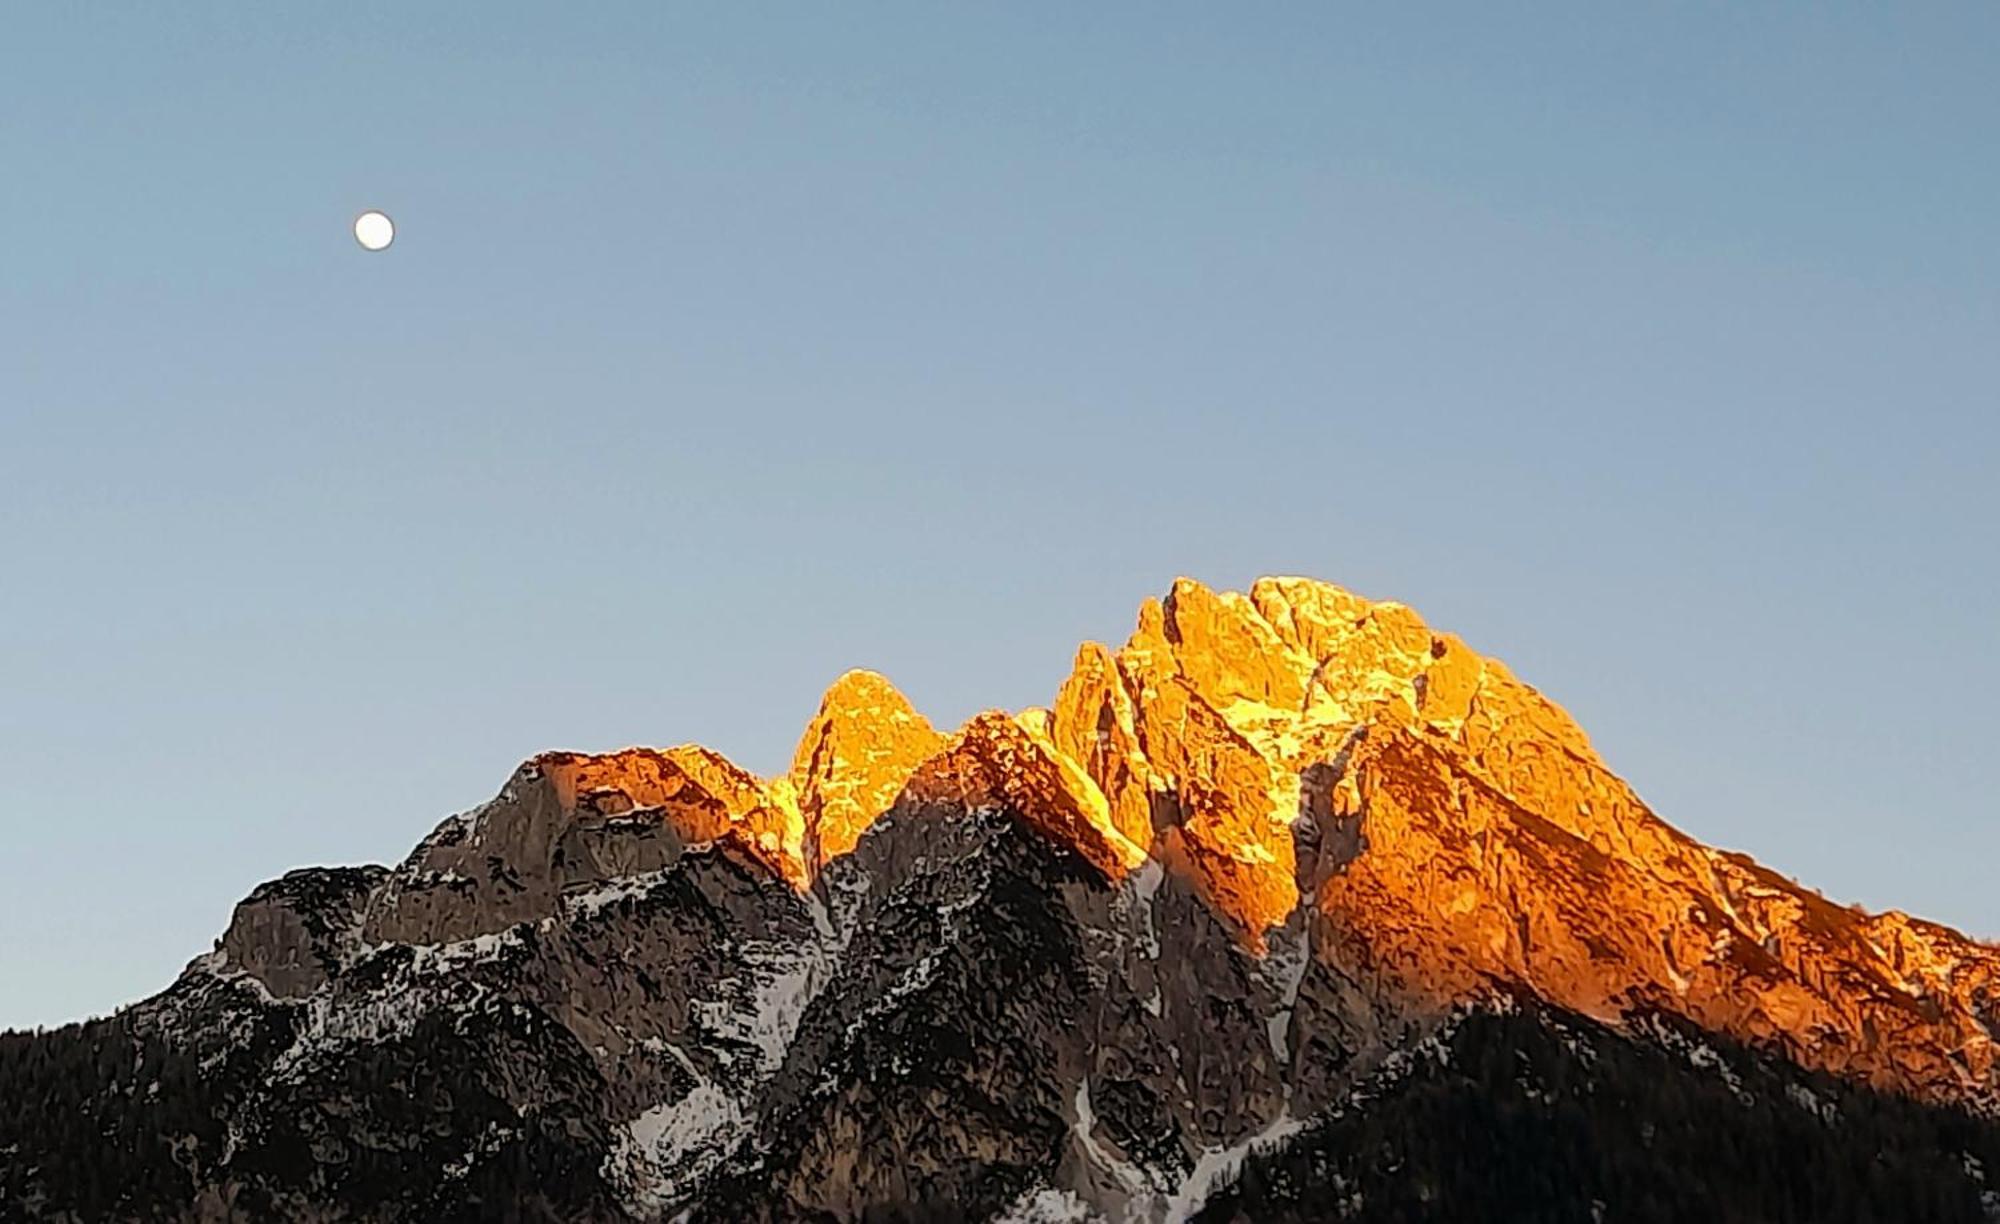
(1291,908)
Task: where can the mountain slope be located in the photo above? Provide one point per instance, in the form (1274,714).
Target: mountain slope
(1262,890)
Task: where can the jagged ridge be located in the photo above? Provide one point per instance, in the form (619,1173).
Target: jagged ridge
(1082,961)
(1456,822)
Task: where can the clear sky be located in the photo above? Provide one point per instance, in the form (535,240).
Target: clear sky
(1656,351)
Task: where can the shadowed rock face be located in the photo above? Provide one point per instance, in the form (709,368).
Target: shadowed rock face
(1075,962)
(294,933)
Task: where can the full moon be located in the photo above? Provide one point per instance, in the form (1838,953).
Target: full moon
(374,231)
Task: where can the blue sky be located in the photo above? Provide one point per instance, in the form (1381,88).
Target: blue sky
(723,349)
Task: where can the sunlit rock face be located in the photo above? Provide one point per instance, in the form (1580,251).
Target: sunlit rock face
(853,760)
(1480,838)
(1275,859)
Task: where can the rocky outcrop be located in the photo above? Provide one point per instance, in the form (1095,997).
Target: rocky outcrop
(853,760)
(1088,961)
(292,933)
(1482,841)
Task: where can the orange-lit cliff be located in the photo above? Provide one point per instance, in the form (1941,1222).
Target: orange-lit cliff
(1298,749)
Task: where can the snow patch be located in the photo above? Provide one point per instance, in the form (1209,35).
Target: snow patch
(1216,1167)
(330,1020)
(912,980)
(764,1012)
(1047,1206)
(1286,964)
(1808,1100)
(327,1025)
(665,1152)
(460,953)
(1145,887)
(1083,1128)
(588,903)
(488,1143)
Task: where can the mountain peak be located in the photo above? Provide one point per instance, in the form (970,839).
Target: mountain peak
(1238,895)
(856,754)
(1299,747)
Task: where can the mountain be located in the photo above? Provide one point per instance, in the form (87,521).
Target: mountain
(1290,909)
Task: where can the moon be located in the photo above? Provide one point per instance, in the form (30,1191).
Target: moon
(374,231)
